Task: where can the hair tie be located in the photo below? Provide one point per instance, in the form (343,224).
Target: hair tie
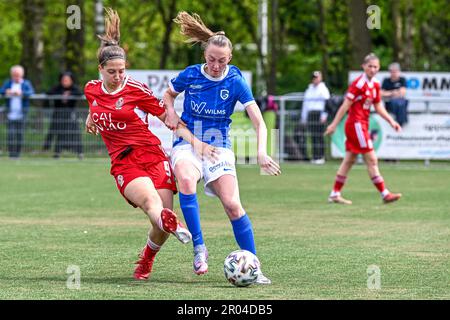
(111,58)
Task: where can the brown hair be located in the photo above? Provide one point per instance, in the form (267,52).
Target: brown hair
(193,27)
(109,47)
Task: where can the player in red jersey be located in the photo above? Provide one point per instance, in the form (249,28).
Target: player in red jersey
(361,95)
(118,109)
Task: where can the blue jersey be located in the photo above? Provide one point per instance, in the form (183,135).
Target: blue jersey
(209,102)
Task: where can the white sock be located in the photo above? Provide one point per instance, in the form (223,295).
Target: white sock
(200,247)
(334,193)
(385,193)
(153,245)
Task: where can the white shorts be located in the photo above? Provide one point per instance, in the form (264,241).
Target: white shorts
(208,171)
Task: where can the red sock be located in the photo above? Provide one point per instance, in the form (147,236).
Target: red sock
(151,249)
(379,183)
(339,183)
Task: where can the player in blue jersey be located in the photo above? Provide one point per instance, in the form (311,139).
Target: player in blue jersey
(211,91)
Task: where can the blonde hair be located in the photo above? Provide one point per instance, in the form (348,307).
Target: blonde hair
(369,57)
(109,47)
(193,27)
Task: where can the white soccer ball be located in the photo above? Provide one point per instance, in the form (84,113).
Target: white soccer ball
(241,268)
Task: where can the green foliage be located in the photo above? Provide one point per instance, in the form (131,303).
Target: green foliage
(10,28)
(298,36)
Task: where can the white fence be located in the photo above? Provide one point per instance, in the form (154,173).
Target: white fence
(426,135)
(429,127)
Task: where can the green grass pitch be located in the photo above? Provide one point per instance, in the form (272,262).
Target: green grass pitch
(55,214)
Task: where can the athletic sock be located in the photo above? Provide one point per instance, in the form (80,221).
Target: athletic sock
(243,233)
(153,245)
(334,194)
(154,248)
(385,193)
(339,183)
(191,212)
(379,183)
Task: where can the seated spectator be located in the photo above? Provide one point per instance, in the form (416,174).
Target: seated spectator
(393,92)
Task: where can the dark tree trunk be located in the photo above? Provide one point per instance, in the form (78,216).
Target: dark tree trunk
(397,44)
(323,38)
(74,44)
(32,41)
(252,29)
(274,47)
(409,36)
(167,16)
(360,42)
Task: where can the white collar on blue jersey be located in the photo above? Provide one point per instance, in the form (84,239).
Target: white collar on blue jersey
(207,76)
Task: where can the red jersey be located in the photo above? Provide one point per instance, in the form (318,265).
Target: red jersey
(363,93)
(121,116)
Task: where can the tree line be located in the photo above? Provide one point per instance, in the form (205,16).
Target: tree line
(304,35)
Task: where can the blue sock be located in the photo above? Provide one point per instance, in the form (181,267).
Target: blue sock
(243,232)
(191,213)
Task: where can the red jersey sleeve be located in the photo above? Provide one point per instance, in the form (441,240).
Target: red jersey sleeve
(145,99)
(352,91)
(88,90)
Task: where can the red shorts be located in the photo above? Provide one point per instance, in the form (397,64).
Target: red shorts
(149,161)
(358,137)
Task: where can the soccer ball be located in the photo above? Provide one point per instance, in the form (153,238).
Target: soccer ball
(241,268)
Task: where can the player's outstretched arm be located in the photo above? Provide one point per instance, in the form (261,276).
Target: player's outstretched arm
(339,115)
(203,150)
(172,119)
(264,160)
(90,125)
(381,110)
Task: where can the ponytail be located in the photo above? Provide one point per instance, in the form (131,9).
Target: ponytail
(193,27)
(109,47)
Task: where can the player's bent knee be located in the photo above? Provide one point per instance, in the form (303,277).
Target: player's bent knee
(233,210)
(372,163)
(151,203)
(187,182)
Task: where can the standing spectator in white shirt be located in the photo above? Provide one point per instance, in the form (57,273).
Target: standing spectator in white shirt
(315,116)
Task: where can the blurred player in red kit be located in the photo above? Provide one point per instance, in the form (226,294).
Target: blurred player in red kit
(363,92)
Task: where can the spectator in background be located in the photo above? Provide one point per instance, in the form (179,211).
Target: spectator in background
(17,91)
(64,123)
(266,103)
(315,116)
(393,92)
